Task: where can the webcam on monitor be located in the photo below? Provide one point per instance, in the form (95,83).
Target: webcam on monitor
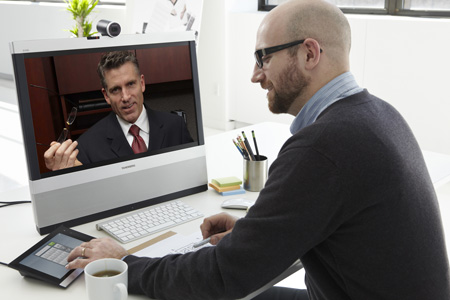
(109,28)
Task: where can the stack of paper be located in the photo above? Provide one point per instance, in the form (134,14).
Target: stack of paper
(227,185)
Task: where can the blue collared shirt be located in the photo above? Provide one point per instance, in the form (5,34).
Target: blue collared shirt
(340,87)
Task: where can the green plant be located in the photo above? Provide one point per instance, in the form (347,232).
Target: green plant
(80,9)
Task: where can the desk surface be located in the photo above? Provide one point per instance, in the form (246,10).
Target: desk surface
(18,231)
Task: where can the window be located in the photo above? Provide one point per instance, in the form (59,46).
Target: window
(104,2)
(427,4)
(345,3)
(423,8)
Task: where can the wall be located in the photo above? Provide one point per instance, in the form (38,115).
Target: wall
(214,59)
(211,53)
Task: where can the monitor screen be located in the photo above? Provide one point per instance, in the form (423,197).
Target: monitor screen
(61,97)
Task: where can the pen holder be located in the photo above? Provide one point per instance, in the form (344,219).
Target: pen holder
(255,174)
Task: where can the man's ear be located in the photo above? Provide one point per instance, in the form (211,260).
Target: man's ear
(142,83)
(313,53)
(105,95)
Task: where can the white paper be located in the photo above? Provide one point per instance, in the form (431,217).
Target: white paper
(175,244)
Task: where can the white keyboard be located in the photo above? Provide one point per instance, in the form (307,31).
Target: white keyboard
(145,222)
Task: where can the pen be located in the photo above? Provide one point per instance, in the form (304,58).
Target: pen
(256,145)
(201,243)
(247,145)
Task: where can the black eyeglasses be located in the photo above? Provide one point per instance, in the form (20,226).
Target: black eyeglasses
(259,54)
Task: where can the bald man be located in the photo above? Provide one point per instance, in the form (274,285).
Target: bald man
(349,194)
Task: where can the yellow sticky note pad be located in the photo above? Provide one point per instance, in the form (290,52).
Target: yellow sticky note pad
(226,181)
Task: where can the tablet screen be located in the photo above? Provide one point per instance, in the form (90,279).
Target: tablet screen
(47,259)
(51,258)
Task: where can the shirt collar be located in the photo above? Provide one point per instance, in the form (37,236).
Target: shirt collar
(141,122)
(340,87)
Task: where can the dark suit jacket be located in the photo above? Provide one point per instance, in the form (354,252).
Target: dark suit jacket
(105,140)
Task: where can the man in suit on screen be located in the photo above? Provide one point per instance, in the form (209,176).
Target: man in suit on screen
(129,128)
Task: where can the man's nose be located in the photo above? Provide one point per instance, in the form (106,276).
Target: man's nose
(258,74)
(125,94)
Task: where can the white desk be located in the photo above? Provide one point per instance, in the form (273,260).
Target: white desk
(18,231)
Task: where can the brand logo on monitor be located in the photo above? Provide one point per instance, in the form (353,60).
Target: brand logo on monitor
(127,167)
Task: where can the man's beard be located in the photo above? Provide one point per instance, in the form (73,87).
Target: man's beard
(292,84)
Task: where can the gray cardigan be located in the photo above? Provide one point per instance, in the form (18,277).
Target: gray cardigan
(350,196)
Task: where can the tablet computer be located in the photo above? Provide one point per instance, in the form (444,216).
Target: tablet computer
(47,259)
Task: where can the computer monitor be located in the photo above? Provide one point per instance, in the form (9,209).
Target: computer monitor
(56,79)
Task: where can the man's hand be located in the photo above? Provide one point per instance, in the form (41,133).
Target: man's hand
(93,250)
(217,227)
(61,156)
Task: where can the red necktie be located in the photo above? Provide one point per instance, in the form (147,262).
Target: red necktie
(138,144)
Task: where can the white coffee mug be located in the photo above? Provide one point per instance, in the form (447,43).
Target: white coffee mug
(107,279)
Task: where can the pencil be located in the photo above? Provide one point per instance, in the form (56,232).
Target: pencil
(244,148)
(239,148)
